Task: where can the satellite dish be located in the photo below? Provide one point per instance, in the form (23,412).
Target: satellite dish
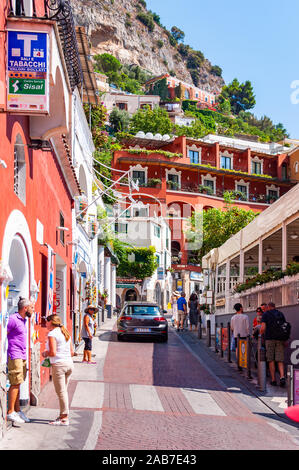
(140,134)
(165,137)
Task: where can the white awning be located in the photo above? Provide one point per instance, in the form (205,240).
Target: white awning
(281,210)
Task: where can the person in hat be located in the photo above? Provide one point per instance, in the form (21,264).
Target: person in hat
(87,332)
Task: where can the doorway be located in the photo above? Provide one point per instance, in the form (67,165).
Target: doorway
(131,295)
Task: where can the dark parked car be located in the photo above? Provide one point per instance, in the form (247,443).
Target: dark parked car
(142,319)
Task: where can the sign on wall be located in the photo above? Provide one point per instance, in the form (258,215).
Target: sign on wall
(27,72)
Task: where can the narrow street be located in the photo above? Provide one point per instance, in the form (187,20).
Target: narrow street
(144,395)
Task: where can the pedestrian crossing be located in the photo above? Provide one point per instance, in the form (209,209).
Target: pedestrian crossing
(100,395)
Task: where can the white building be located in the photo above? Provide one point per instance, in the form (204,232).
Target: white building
(140,230)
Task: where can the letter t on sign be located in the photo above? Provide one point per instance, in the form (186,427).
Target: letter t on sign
(27,38)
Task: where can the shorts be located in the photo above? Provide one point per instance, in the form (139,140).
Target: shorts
(17,371)
(88,344)
(274,350)
(181,315)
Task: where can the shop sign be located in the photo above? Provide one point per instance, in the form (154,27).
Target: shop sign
(160,274)
(125,286)
(27,72)
(242,351)
(296,386)
(179,285)
(195,276)
(224,334)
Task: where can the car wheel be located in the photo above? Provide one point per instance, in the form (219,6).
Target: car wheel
(164,339)
(120,337)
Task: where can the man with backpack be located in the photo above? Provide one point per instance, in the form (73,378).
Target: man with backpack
(276,330)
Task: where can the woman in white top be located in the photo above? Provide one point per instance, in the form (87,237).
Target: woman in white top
(60,352)
(174,307)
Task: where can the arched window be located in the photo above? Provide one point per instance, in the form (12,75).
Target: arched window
(20,169)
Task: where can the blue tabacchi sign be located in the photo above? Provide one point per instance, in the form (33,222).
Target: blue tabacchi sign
(27,51)
(27,72)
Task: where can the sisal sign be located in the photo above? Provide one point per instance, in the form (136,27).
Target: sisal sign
(27,72)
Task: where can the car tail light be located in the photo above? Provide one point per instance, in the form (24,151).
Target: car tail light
(125,318)
(160,319)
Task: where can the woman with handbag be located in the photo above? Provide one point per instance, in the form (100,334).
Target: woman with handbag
(60,351)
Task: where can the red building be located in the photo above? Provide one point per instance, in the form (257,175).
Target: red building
(187,175)
(184,91)
(38,181)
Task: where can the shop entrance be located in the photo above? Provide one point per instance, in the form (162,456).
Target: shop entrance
(18,287)
(60,303)
(131,296)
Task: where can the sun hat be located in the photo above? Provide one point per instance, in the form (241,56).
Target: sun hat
(292,412)
(176,293)
(91,307)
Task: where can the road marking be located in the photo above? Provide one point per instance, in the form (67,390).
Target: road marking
(88,395)
(145,397)
(282,402)
(201,402)
(94,432)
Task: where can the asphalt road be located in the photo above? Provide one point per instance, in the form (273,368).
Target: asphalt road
(145,395)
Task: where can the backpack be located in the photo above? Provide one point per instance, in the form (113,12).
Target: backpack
(280,329)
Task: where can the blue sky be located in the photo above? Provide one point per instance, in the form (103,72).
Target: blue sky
(254,41)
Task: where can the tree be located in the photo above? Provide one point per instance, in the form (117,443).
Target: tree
(107,63)
(240,95)
(225,107)
(160,88)
(119,120)
(178,34)
(151,120)
(210,229)
(216,70)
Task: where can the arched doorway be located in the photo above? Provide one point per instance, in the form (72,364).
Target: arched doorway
(131,295)
(19,286)
(158,294)
(17,253)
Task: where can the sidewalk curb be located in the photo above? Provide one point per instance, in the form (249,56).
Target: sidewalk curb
(250,385)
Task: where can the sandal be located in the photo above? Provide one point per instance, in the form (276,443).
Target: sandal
(60,422)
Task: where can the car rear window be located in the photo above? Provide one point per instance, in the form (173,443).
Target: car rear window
(142,310)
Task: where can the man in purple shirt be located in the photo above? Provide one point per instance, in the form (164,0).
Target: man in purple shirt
(16,358)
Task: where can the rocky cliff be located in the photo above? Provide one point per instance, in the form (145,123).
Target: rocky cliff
(112,27)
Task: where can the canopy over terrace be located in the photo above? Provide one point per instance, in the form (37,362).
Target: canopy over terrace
(284,210)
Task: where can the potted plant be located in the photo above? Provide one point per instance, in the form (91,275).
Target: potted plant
(239,195)
(172,184)
(205,189)
(154,182)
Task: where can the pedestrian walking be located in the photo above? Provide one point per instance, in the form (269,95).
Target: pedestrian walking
(182,311)
(239,325)
(16,358)
(87,333)
(274,328)
(193,305)
(174,308)
(59,350)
